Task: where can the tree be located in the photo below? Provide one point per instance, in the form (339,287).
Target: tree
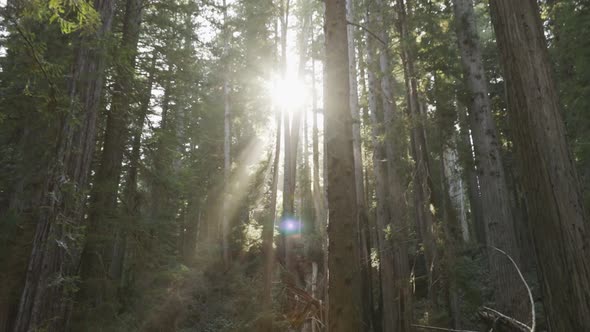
(553,196)
(99,248)
(59,233)
(495,196)
(343,293)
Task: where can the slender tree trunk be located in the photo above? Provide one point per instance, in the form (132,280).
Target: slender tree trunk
(423,188)
(390,314)
(97,253)
(130,194)
(343,292)
(268,232)
(395,193)
(225,227)
(510,294)
(45,302)
(365,262)
(473,190)
(288,193)
(550,180)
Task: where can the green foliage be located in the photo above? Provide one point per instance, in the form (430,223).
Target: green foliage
(70,15)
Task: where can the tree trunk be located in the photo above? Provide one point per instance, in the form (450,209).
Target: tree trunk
(102,221)
(422,181)
(225,227)
(468,163)
(344,295)
(364,254)
(550,181)
(268,233)
(50,280)
(510,295)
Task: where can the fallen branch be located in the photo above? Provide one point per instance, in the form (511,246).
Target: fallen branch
(506,320)
(439,328)
(533,318)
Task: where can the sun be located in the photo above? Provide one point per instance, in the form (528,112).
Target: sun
(289,94)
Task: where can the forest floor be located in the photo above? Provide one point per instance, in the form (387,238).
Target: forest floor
(208,297)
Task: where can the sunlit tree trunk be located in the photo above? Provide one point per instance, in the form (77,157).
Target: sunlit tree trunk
(343,282)
(268,232)
(56,246)
(465,149)
(225,227)
(550,181)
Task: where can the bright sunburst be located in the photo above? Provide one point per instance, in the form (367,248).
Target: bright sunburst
(289,94)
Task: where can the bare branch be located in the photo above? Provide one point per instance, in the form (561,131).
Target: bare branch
(439,328)
(533,318)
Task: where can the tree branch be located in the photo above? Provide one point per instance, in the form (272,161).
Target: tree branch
(368,31)
(439,328)
(532,327)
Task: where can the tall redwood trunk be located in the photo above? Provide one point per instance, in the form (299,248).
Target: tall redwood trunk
(344,313)
(50,280)
(510,294)
(550,181)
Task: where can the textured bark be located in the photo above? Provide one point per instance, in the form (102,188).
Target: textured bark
(344,313)
(456,187)
(550,181)
(510,295)
(55,256)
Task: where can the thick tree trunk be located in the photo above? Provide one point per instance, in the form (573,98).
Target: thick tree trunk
(510,295)
(550,181)
(344,313)
(50,280)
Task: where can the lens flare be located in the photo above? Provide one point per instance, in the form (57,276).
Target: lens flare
(290,226)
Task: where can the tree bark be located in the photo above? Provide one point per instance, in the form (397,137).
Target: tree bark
(50,279)
(344,313)
(510,295)
(550,181)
